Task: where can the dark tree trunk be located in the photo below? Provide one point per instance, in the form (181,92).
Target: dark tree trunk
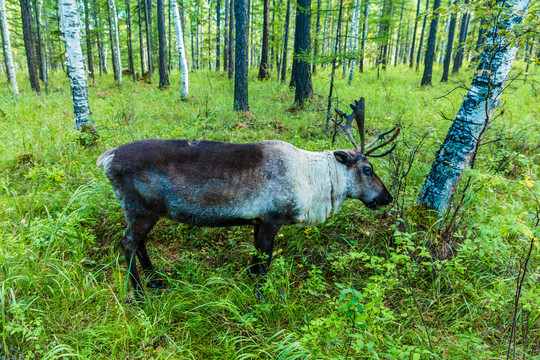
(241,58)
(232,8)
(88,41)
(285,43)
(449,44)
(130,41)
(141,38)
(316,42)
(386,15)
(28,36)
(218,18)
(38,42)
(148,24)
(8,77)
(264,72)
(294,66)
(398,34)
(430,46)
(364,35)
(304,88)
(102,64)
(421,38)
(226,37)
(411,58)
(162,42)
(111,39)
(333,66)
(464,27)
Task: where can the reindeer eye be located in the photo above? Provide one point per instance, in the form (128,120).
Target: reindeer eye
(367,170)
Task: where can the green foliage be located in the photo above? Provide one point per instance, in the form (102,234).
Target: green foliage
(364,285)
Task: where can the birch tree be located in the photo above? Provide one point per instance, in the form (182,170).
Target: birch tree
(71,35)
(476,112)
(7,47)
(355,36)
(181,51)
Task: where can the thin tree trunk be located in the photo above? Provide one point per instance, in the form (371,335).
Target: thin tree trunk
(29,45)
(141,39)
(116,48)
(111,40)
(475,114)
(75,64)
(421,38)
(304,88)
(148,24)
(37,40)
(316,42)
(458,59)
(398,34)
(449,44)
(285,43)
(430,46)
(101,55)
(88,41)
(364,35)
(218,30)
(232,11)
(241,102)
(181,52)
(162,46)
(130,41)
(10,67)
(355,36)
(333,66)
(411,58)
(264,72)
(226,38)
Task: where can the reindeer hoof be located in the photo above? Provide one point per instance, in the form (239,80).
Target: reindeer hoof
(156,284)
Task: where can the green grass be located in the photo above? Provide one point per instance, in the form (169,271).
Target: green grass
(361,286)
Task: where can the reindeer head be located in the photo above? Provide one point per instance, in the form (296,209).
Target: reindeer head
(364,184)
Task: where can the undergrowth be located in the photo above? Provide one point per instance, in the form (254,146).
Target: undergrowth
(364,285)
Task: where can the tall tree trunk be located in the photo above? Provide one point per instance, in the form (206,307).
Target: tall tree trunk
(333,66)
(421,38)
(356,24)
(88,41)
(101,55)
(232,12)
(464,27)
(226,38)
(111,40)
(116,41)
(37,41)
(29,45)
(430,46)
(41,30)
(75,63)
(7,49)
(316,41)
(304,88)
(411,58)
(449,44)
(181,52)
(264,72)
(399,33)
(241,102)
(130,41)
(141,39)
(364,35)
(148,25)
(169,38)
(162,43)
(218,30)
(285,43)
(5,54)
(475,114)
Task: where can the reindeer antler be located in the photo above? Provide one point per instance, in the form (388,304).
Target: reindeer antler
(359,114)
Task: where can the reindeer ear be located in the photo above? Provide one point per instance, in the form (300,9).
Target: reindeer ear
(344,157)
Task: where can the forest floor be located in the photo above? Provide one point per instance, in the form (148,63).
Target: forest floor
(365,285)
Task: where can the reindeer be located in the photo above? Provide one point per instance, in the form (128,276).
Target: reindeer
(267,184)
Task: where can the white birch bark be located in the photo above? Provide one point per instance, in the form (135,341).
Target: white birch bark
(41,28)
(476,111)
(11,67)
(355,37)
(181,51)
(71,35)
(116,40)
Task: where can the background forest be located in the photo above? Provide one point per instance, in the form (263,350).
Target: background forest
(397,283)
